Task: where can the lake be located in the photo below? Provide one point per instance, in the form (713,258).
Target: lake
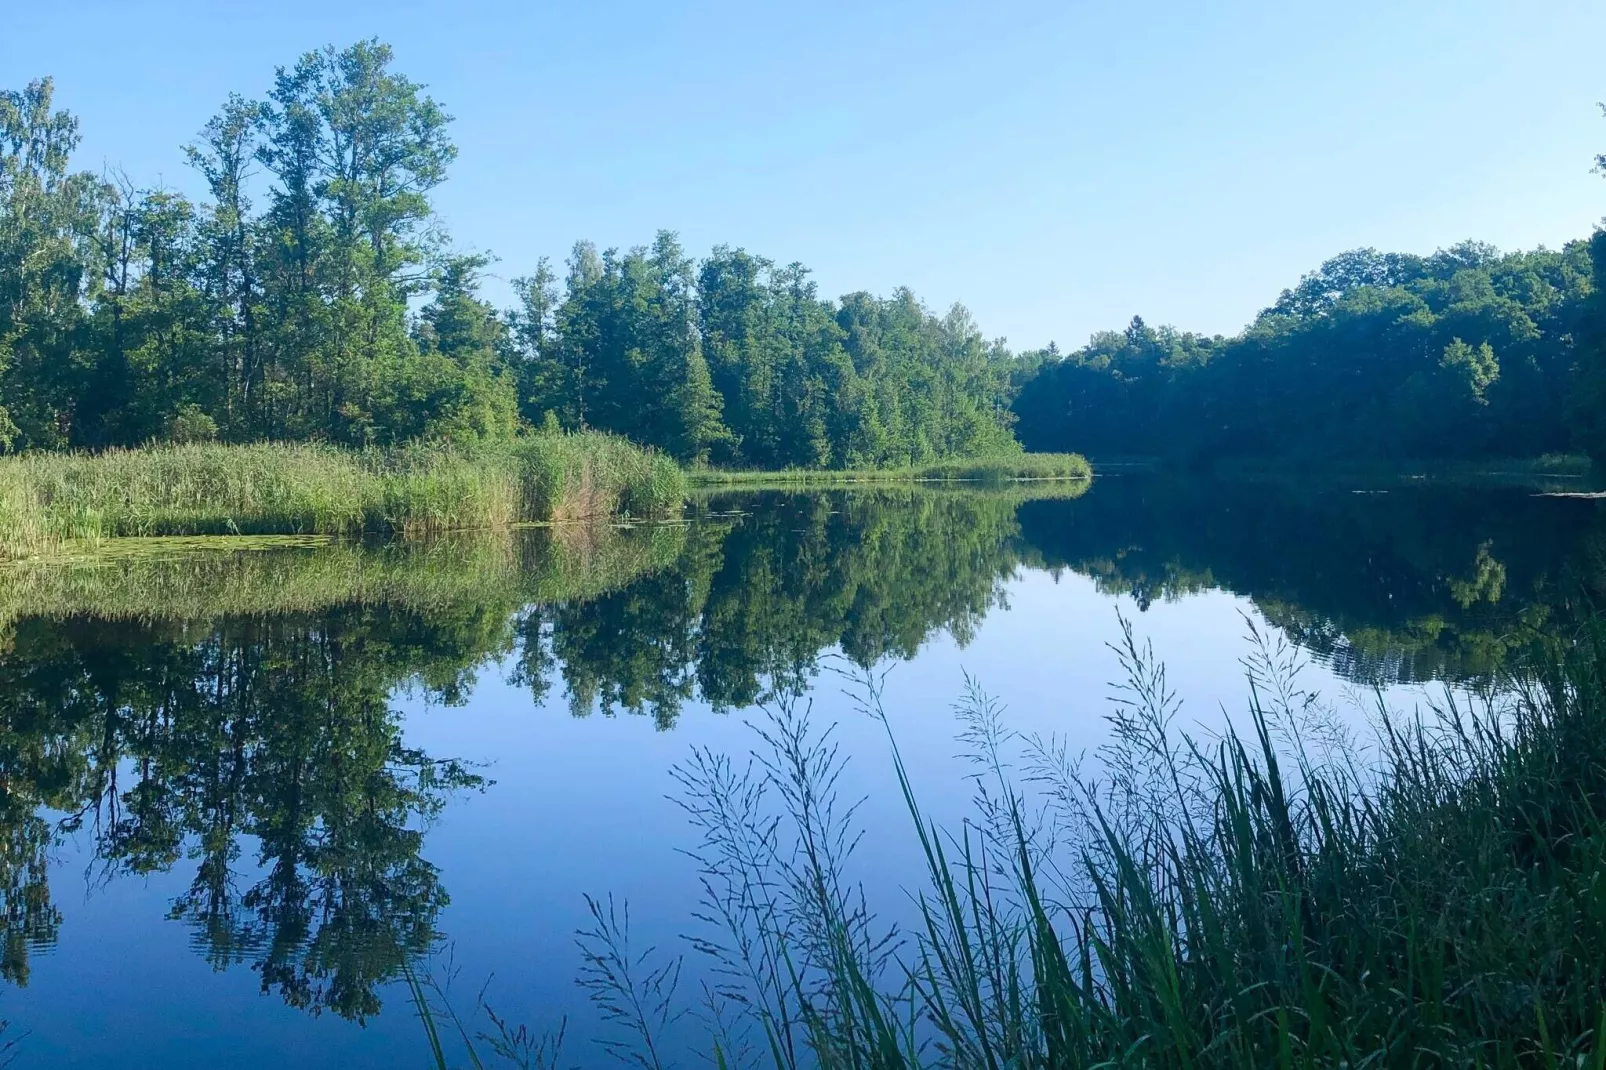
(241,790)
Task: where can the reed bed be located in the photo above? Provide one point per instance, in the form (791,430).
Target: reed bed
(49,502)
(1281,897)
(1005,468)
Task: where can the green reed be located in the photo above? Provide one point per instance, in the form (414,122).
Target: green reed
(49,501)
(1279,897)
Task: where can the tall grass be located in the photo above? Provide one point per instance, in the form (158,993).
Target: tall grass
(1004,468)
(1276,898)
(51,500)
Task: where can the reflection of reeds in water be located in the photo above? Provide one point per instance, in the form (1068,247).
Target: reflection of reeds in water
(715,498)
(1267,899)
(198,579)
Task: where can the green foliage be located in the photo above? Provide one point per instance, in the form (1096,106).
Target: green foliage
(48,219)
(1259,901)
(1465,353)
(1472,370)
(127,315)
(47,500)
(333,310)
(1587,408)
(862,383)
(190,424)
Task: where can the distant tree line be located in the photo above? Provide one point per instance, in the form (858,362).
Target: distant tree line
(313,295)
(1465,353)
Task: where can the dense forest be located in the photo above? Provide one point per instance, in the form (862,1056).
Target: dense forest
(1465,353)
(313,295)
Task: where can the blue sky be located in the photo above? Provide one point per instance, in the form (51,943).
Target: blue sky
(1055,166)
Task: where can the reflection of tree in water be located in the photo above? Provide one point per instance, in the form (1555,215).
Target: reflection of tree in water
(1410,585)
(28,918)
(751,604)
(261,749)
(167,742)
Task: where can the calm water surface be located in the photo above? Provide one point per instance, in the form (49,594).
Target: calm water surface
(239,791)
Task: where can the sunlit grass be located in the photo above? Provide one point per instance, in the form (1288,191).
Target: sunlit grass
(51,501)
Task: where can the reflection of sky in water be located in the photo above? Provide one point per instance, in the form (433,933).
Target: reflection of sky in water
(579,805)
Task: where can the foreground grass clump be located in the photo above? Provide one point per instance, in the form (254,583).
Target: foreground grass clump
(1270,899)
(1000,469)
(48,500)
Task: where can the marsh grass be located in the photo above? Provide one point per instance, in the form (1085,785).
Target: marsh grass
(1276,897)
(49,502)
(1006,468)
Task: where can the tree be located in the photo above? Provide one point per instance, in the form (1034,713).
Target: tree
(545,387)
(356,149)
(453,387)
(48,218)
(1467,352)
(229,235)
(1587,404)
(1471,370)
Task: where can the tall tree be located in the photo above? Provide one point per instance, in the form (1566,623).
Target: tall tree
(48,217)
(357,149)
(225,156)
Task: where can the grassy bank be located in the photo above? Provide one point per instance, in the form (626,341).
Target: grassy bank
(48,501)
(1002,469)
(1282,898)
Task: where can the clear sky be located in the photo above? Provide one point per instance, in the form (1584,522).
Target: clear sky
(1055,166)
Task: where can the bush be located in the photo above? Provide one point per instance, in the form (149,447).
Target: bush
(191,424)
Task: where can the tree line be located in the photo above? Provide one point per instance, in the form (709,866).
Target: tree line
(313,294)
(1469,352)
